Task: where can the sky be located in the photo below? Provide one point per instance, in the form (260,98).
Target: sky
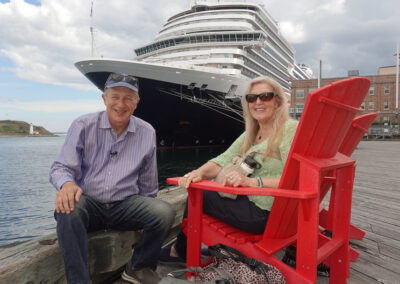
(41,39)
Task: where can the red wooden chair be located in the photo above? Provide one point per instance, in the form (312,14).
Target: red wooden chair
(327,116)
(358,128)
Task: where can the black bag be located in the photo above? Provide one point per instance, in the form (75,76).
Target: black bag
(230,266)
(242,269)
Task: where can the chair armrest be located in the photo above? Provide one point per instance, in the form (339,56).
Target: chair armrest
(216,186)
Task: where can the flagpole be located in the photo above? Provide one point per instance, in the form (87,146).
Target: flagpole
(397,83)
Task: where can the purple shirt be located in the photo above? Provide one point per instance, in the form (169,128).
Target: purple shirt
(108,168)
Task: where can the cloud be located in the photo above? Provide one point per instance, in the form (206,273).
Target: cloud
(83,106)
(43,41)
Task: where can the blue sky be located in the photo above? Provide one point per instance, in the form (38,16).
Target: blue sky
(41,40)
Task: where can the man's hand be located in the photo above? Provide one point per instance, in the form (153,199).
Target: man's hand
(65,198)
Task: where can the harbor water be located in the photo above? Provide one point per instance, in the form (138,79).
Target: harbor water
(27,197)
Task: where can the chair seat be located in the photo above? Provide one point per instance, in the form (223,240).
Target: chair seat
(227,231)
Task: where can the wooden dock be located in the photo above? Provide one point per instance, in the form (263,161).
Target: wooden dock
(376,210)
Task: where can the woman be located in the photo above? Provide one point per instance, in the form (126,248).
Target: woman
(269,133)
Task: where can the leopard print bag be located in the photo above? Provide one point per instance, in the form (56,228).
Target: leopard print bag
(232,264)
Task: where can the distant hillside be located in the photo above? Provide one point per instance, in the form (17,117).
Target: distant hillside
(20,128)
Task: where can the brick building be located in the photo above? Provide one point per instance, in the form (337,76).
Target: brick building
(381,97)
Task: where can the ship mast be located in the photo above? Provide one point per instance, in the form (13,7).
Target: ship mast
(91,30)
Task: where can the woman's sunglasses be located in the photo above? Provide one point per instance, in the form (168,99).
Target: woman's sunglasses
(265,97)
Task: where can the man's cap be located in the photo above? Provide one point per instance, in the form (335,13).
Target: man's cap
(120,79)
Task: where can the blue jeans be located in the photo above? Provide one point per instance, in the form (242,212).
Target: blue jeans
(137,212)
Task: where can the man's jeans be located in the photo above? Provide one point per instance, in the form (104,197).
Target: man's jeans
(152,215)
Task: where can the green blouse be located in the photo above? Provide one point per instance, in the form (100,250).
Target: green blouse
(271,167)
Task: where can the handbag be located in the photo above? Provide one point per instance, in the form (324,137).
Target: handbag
(237,165)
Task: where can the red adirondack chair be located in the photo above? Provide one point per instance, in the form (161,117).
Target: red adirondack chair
(358,128)
(327,116)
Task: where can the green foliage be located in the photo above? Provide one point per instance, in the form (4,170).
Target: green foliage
(19,128)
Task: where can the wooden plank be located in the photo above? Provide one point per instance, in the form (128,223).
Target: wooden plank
(374,271)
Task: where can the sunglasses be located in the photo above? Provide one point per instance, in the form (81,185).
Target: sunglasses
(118,77)
(265,97)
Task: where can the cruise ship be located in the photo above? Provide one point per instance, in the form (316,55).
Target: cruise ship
(192,75)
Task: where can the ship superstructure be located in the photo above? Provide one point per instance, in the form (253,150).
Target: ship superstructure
(192,76)
(238,39)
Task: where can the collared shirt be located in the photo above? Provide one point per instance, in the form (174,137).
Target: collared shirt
(108,168)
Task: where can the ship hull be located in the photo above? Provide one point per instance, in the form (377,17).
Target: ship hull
(183,115)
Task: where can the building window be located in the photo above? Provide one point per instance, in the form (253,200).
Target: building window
(299,108)
(385,105)
(385,118)
(371,105)
(363,105)
(387,90)
(299,93)
(371,91)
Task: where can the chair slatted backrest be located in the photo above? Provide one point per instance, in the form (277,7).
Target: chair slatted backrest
(327,116)
(359,127)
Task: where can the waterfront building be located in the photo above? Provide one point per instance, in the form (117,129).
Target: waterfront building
(381,97)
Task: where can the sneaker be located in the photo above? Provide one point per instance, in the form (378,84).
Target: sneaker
(290,259)
(323,270)
(143,276)
(166,258)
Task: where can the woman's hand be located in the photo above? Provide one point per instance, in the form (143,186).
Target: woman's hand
(236,179)
(193,176)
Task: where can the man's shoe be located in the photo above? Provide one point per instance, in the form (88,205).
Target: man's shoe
(166,258)
(143,276)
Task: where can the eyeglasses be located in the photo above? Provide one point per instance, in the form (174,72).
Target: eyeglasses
(115,78)
(265,97)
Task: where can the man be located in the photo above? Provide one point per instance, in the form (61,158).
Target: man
(106,177)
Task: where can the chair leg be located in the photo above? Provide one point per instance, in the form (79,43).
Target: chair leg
(341,225)
(308,220)
(195,211)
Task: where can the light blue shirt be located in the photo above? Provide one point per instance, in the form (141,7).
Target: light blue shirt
(108,168)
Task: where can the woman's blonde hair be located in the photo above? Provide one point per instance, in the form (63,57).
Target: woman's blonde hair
(281,115)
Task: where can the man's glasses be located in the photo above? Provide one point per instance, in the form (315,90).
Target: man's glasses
(265,97)
(118,77)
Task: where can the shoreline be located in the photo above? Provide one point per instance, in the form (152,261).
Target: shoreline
(24,135)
